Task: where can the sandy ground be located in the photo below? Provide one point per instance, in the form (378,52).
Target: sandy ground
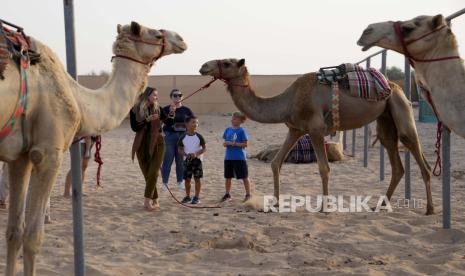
(122,239)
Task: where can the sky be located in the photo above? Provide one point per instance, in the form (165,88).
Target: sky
(274,36)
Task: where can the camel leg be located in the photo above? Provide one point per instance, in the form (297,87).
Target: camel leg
(318,143)
(292,136)
(407,132)
(18,177)
(387,135)
(43,177)
(413,144)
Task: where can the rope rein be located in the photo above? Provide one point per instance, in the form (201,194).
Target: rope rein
(191,206)
(437,151)
(97,158)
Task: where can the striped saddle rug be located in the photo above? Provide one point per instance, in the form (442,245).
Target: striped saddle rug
(15,45)
(302,152)
(367,84)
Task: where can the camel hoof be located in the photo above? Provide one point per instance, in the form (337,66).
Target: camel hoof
(429,211)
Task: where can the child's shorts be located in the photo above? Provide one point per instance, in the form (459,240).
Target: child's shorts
(193,167)
(236,168)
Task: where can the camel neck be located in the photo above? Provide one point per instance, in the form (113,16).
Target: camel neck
(263,110)
(105,108)
(445,81)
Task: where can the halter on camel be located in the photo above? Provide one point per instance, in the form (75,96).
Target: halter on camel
(221,78)
(400,36)
(150,63)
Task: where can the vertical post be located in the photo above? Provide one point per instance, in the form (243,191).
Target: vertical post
(381,147)
(174,81)
(344,140)
(354,132)
(75,148)
(446,210)
(365,130)
(407,154)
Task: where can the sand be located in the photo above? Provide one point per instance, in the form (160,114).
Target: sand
(122,239)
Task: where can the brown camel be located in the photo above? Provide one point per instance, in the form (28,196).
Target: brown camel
(59,110)
(302,107)
(432,49)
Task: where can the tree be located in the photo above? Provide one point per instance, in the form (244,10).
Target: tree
(395,73)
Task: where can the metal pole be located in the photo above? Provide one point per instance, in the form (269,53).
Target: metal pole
(446,210)
(407,154)
(78,229)
(365,130)
(344,140)
(353,141)
(174,81)
(381,147)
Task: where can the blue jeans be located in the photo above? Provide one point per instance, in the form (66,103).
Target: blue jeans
(171,152)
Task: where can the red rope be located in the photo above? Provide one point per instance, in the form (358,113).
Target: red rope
(200,89)
(437,151)
(97,158)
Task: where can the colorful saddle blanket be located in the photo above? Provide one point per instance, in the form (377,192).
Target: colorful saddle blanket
(302,152)
(367,84)
(14,45)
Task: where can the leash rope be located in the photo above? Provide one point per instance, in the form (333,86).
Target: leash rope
(97,158)
(190,206)
(205,86)
(437,151)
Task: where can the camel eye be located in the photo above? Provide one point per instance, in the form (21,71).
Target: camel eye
(407,29)
(226,64)
(156,34)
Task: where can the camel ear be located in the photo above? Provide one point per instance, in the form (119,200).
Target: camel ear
(118,28)
(437,21)
(241,62)
(135,28)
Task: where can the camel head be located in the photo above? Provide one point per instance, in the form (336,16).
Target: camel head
(420,35)
(226,69)
(146,45)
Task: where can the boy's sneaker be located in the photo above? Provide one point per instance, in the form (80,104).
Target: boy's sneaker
(186,199)
(164,187)
(226,197)
(195,200)
(181,185)
(247,197)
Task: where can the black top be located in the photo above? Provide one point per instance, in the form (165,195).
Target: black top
(136,126)
(177,125)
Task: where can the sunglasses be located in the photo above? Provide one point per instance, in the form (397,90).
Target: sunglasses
(177,95)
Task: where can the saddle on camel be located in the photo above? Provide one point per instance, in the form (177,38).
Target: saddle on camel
(21,48)
(367,84)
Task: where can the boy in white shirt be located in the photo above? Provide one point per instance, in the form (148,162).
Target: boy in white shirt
(192,146)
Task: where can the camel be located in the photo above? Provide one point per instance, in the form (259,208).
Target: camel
(302,107)
(60,110)
(432,49)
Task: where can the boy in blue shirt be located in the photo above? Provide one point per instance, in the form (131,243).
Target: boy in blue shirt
(235,160)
